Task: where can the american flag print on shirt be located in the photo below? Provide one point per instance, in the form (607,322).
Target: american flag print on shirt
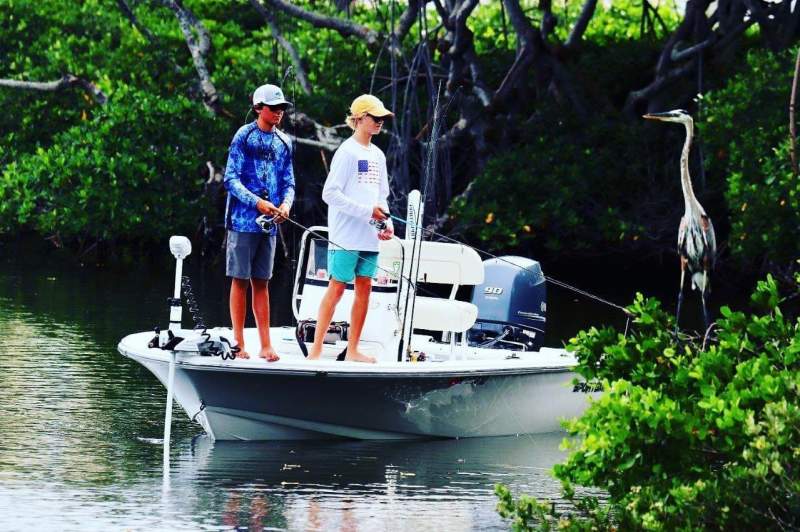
(368,172)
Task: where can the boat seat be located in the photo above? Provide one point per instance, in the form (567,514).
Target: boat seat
(445,315)
(440,262)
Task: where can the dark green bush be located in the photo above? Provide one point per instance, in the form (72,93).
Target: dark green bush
(746,130)
(130,172)
(687,436)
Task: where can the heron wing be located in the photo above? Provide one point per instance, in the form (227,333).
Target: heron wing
(682,235)
(710,240)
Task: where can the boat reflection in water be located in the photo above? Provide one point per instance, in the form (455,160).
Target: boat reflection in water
(363,485)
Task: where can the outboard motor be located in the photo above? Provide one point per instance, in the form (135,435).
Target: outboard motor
(511,305)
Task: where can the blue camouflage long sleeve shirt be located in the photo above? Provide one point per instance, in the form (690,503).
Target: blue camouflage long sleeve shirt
(259,167)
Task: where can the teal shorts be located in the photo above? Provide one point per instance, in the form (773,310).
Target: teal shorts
(344,265)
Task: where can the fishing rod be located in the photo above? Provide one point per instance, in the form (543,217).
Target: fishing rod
(430,169)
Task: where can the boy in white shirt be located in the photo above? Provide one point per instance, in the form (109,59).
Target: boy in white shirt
(356,192)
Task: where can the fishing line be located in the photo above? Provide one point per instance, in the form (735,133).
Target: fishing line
(501,259)
(430,171)
(399,275)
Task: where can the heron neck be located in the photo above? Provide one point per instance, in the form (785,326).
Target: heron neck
(686,180)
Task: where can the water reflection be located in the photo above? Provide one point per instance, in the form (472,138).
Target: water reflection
(342,485)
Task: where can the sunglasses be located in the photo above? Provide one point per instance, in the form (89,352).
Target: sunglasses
(276,108)
(377,119)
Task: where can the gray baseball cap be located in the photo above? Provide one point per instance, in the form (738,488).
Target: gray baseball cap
(269,95)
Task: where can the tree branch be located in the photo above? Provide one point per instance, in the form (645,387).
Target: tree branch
(408,19)
(67,81)
(792,124)
(678,56)
(657,84)
(302,77)
(575,36)
(665,73)
(199,43)
(327,137)
(344,27)
(462,55)
(534,52)
(129,14)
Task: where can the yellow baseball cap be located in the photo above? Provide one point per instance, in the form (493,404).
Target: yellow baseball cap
(368,104)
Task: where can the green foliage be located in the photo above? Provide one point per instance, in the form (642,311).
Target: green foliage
(527,513)
(746,131)
(568,174)
(127,170)
(133,169)
(545,193)
(129,173)
(585,185)
(687,436)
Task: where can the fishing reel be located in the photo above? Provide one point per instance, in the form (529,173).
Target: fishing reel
(380,225)
(267,223)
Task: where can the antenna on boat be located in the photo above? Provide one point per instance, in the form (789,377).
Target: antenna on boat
(180,247)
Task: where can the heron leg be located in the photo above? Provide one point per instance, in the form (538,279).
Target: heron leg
(680,295)
(703,292)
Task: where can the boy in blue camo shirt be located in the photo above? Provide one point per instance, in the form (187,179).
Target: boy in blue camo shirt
(259,180)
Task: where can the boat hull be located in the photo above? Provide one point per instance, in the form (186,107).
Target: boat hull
(298,399)
(258,406)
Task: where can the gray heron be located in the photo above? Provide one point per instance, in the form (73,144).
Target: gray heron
(697,245)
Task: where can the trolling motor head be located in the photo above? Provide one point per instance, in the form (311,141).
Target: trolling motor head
(180,247)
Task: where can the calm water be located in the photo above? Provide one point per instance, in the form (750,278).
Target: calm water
(80,426)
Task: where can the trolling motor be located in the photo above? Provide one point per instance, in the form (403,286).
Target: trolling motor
(180,247)
(202,342)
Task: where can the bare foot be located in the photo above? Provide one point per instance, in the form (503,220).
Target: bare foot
(242,353)
(358,357)
(313,356)
(269,354)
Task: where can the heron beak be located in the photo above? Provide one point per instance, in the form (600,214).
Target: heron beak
(655,116)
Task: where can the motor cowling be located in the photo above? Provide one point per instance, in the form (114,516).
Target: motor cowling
(512,306)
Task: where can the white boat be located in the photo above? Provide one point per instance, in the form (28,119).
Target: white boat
(445,368)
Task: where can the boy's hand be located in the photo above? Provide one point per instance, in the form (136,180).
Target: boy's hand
(378,213)
(265,207)
(283,213)
(386,234)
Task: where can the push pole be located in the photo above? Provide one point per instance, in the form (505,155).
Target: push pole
(180,247)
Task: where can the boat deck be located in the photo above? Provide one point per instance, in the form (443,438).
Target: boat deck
(471,361)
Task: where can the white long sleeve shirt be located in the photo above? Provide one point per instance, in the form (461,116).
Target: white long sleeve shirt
(358,180)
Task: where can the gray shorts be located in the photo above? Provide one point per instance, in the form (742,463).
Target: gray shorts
(249,255)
